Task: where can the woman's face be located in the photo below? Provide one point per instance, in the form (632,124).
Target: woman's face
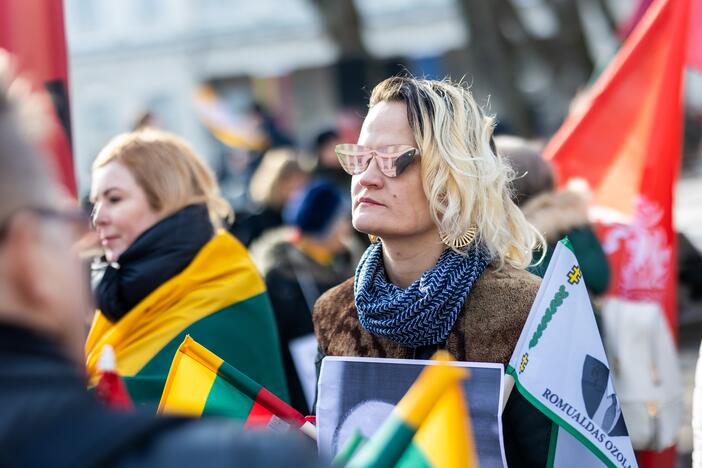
(384,206)
(122,211)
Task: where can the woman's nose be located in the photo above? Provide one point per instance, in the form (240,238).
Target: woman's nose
(372,176)
(97,217)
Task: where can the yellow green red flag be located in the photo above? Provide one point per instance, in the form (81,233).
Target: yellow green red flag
(201,383)
(429,427)
(219,299)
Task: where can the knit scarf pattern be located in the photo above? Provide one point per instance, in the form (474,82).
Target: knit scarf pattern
(425,312)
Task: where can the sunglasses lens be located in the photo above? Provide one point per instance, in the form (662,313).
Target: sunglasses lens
(404,160)
(387,165)
(395,159)
(354,159)
(391,160)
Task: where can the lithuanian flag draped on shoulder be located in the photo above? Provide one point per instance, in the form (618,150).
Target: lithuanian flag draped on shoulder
(201,383)
(219,299)
(428,427)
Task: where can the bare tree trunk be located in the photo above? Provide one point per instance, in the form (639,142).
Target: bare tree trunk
(343,24)
(490,50)
(609,17)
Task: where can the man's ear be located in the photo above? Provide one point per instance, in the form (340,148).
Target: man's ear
(23,252)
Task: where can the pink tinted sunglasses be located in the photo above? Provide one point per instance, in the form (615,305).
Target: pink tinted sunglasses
(392,160)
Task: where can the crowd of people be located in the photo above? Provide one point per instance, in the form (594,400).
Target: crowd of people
(457,227)
(49,418)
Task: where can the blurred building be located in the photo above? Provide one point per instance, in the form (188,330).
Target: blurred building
(133,56)
(311,62)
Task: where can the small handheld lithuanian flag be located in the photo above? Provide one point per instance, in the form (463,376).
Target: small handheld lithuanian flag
(429,427)
(200,383)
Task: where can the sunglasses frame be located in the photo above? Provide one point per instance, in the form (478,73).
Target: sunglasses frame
(392,160)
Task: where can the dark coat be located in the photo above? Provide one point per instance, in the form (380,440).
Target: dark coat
(48,419)
(249,226)
(486,330)
(294,281)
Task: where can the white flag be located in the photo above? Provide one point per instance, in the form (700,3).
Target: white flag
(559,365)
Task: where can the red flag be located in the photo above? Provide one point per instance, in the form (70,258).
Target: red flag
(625,140)
(694,45)
(694,40)
(33,31)
(111,389)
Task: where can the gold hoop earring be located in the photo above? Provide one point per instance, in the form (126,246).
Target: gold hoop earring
(461,241)
(373,239)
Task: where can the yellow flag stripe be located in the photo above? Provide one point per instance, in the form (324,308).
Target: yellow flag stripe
(190,380)
(431,383)
(446,437)
(220,275)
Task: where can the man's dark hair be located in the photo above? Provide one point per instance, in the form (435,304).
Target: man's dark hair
(324,137)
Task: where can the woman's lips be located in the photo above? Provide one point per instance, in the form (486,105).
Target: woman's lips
(108,240)
(368,201)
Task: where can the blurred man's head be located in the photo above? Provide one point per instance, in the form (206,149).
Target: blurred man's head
(277,178)
(324,148)
(41,282)
(533,174)
(321,214)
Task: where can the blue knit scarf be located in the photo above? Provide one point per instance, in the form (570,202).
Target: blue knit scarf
(425,312)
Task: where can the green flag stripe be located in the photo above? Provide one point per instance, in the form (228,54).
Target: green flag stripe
(348,450)
(558,420)
(226,400)
(227,333)
(414,457)
(240,380)
(565,241)
(145,391)
(386,447)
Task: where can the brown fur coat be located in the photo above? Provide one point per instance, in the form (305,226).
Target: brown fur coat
(555,213)
(486,330)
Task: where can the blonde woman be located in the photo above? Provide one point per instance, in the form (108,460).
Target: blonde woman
(276,180)
(447,269)
(172,270)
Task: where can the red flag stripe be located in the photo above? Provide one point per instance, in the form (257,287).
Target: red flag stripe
(278,407)
(259,416)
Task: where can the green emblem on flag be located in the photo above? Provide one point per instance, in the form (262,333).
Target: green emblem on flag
(553,306)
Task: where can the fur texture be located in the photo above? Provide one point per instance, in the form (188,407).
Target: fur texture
(486,330)
(554,213)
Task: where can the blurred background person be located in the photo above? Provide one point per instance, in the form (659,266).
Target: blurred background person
(171,270)
(48,418)
(555,213)
(303,261)
(276,180)
(329,169)
(276,137)
(327,164)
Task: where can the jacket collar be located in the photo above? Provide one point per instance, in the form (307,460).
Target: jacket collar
(15,339)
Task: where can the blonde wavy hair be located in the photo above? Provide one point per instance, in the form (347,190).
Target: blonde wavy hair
(277,165)
(465,181)
(169,171)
